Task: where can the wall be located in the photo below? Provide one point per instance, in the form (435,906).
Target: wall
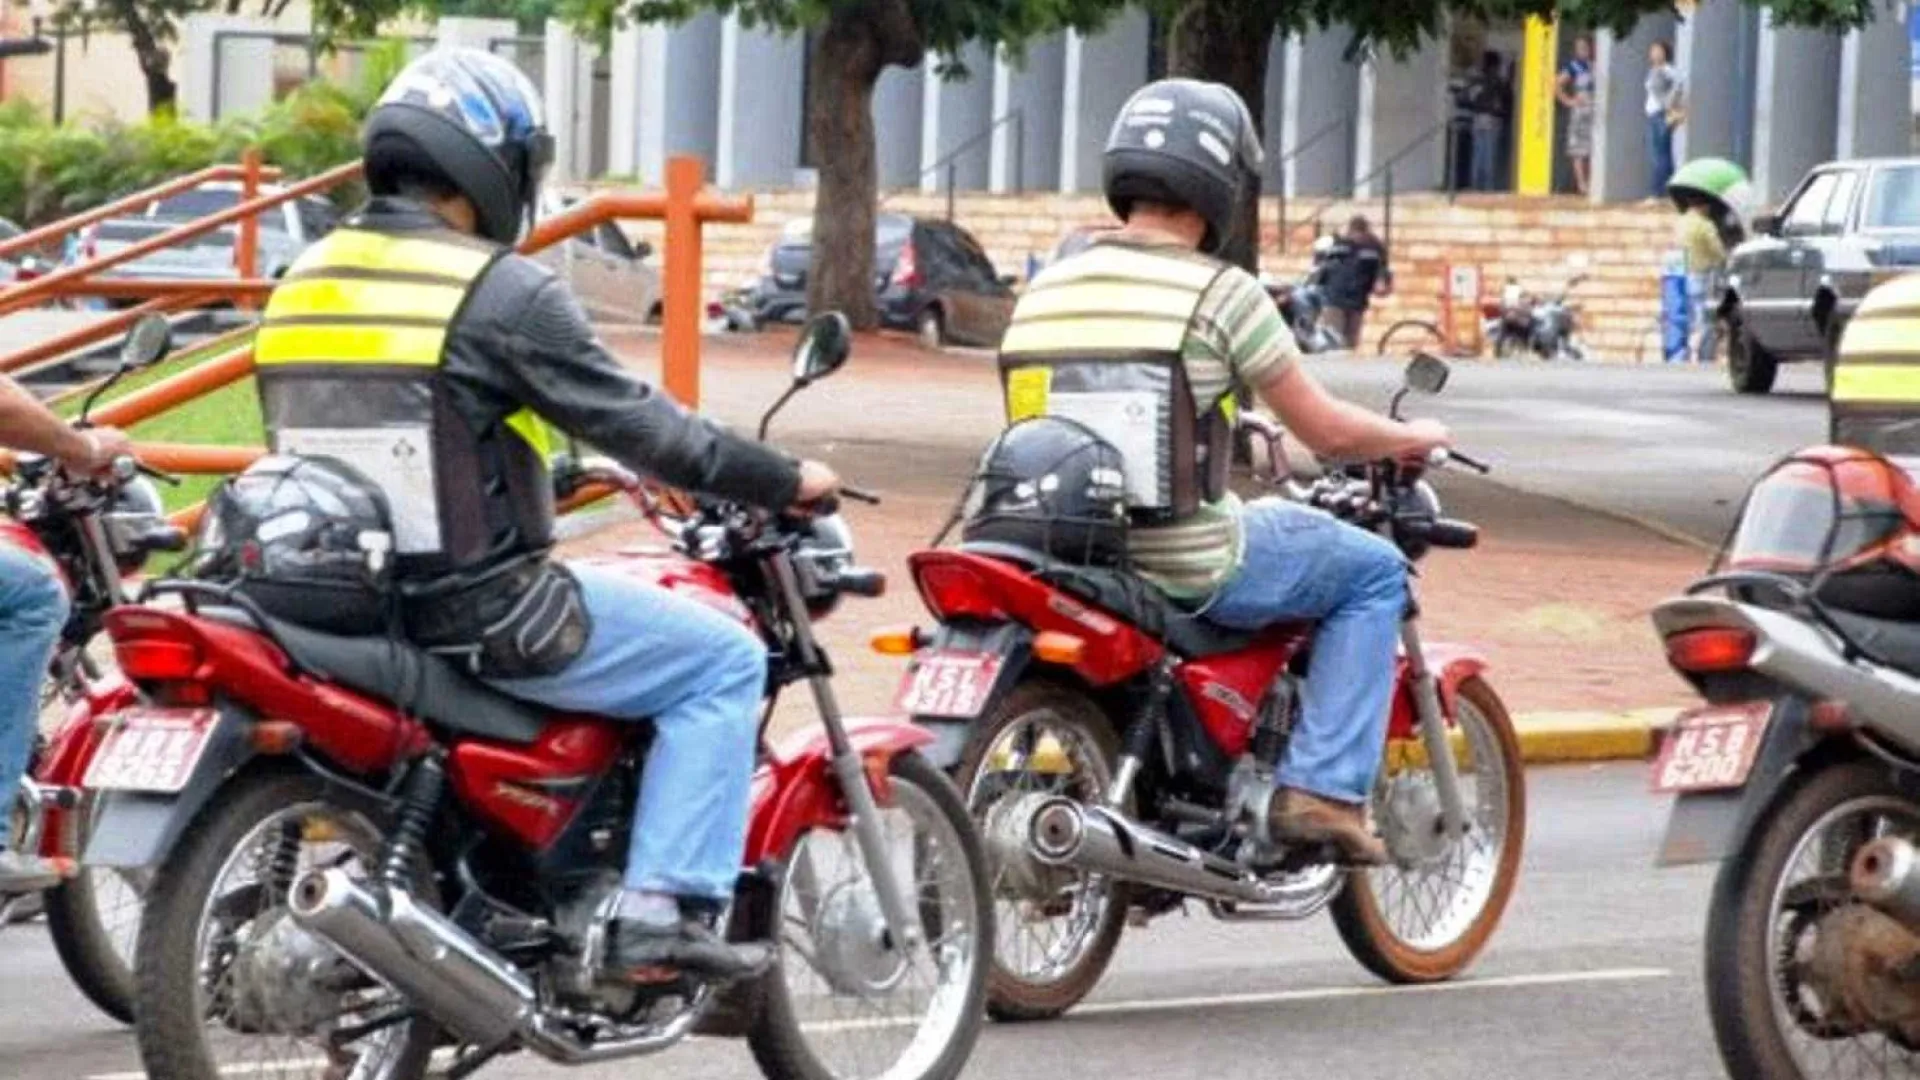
(897,118)
(1620,158)
(1797,97)
(1873,122)
(762,82)
(1398,104)
(1111,67)
(958,110)
(1034,87)
(1321,86)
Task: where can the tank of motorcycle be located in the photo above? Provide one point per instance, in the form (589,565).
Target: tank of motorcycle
(675,573)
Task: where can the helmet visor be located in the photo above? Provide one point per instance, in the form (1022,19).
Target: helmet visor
(1798,520)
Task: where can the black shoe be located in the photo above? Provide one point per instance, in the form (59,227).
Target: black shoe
(642,952)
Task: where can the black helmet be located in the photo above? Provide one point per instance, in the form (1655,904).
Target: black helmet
(1051,485)
(1185,143)
(469,120)
(307,539)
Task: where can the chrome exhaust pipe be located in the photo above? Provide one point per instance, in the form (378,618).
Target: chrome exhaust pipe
(1097,840)
(441,969)
(1886,874)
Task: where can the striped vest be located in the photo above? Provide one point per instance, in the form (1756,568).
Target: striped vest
(349,357)
(1097,339)
(1875,400)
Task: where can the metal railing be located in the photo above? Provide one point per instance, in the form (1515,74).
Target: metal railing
(1343,122)
(950,162)
(1384,173)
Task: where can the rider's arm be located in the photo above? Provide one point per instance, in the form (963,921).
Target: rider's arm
(25,424)
(544,354)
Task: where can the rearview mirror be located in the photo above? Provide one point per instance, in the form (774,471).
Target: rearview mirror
(822,348)
(1427,374)
(150,339)
(1766,225)
(642,250)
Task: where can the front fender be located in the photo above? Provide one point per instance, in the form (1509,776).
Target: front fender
(1451,665)
(795,790)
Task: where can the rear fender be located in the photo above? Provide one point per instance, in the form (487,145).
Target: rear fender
(136,830)
(1013,643)
(1706,826)
(795,790)
(70,751)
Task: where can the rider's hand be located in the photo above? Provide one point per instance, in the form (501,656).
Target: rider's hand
(96,448)
(1423,437)
(817,481)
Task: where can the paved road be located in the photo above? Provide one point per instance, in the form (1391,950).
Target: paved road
(1598,963)
(1669,444)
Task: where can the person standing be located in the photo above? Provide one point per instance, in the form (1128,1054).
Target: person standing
(1353,272)
(1574,89)
(1665,95)
(1698,238)
(1489,102)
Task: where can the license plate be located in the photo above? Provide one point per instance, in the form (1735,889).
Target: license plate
(1710,749)
(152,750)
(948,683)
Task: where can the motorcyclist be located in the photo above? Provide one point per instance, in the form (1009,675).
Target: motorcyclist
(414,345)
(1150,315)
(33,609)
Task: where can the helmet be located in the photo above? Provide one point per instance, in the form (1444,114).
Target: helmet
(1051,485)
(471,120)
(305,538)
(1186,143)
(1844,520)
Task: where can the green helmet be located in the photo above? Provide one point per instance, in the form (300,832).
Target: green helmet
(1720,182)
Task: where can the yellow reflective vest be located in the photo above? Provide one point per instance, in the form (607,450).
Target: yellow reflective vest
(1874,403)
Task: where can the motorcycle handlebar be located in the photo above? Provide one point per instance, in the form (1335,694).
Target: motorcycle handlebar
(1449,533)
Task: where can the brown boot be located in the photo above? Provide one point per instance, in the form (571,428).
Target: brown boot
(1299,817)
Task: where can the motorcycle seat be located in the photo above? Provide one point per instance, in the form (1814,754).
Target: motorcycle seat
(1126,596)
(1897,643)
(424,685)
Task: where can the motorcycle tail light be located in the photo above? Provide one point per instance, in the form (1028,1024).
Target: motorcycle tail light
(1712,650)
(158,659)
(906,269)
(954,592)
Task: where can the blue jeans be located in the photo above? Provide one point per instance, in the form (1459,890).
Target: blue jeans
(1486,158)
(700,677)
(1659,153)
(1301,563)
(33,608)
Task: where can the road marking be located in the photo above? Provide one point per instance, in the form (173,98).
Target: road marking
(1153,1005)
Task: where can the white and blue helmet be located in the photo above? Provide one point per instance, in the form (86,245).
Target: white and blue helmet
(467,120)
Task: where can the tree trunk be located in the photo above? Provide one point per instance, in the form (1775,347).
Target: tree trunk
(855,45)
(1226,41)
(153,57)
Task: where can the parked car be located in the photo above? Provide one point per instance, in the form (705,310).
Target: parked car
(931,277)
(1792,287)
(608,272)
(285,231)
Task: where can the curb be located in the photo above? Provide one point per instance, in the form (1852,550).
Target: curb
(1558,738)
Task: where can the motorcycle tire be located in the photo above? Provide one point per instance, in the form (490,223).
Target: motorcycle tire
(1358,911)
(1740,979)
(778,1036)
(170,1030)
(1011,997)
(87,947)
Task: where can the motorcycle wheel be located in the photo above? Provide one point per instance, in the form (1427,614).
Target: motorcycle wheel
(1049,950)
(1767,1026)
(1411,335)
(1426,919)
(94,919)
(836,969)
(210,913)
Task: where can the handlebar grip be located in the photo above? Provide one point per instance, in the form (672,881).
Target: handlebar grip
(861,582)
(1477,466)
(859,495)
(1448,533)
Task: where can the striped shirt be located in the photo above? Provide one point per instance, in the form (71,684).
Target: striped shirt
(1237,337)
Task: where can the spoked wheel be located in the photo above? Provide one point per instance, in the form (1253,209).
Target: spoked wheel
(1056,930)
(228,984)
(1410,335)
(1427,916)
(844,1001)
(94,919)
(1770,992)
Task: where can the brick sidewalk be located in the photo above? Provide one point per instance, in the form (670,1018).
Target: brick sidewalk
(1558,596)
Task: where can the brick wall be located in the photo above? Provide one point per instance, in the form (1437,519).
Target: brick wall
(1539,242)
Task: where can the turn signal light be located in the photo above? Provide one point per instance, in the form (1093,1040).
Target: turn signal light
(1710,650)
(276,737)
(1057,648)
(896,641)
(1829,716)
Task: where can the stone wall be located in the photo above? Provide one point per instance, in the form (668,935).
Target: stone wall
(1538,242)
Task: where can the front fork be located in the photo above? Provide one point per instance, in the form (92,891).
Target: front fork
(1433,730)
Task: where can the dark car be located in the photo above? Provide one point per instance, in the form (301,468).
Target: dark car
(1849,226)
(931,277)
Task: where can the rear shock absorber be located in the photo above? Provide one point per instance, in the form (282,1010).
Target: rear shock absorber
(420,797)
(1149,722)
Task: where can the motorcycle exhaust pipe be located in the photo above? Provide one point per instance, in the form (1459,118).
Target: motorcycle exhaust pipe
(1096,840)
(1886,874)
(419,952)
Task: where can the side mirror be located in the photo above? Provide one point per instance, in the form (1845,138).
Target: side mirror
(1766,225)
(1427,374)
(822,348)
(147,343)
(642,250)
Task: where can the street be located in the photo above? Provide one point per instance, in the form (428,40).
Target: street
(1597,962)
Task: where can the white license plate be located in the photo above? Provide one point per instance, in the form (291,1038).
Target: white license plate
(152,750)
(1711,749)
(948,683)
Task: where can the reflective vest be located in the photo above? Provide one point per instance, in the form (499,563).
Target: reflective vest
(1097,339)
(1875,401)
(349,358)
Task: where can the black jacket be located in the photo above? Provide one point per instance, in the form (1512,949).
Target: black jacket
(1352,271)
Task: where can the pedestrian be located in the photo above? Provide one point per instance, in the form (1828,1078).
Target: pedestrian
(1698,238)
(1665,111)
(1575,93)
(1354,271)
(1489,103)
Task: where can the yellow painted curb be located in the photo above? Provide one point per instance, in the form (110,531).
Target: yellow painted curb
(1550,738)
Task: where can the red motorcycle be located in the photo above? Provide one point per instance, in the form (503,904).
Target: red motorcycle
(1119,754)
(361,855)
(97,532)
